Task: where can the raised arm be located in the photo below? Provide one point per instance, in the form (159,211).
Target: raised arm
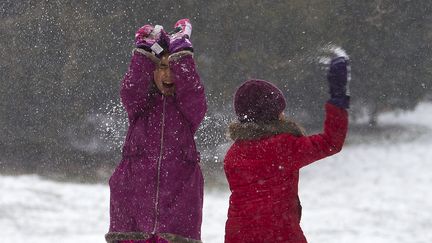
(311,148)
(136,84)
(190,95)
(308,149)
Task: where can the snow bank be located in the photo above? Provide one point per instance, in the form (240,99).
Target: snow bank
(373,192)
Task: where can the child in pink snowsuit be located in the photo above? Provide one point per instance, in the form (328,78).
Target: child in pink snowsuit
(157,189)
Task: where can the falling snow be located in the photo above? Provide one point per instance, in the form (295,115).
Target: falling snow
(376,191)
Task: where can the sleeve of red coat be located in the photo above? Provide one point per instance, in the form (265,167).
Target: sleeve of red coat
(308,149)
(190,95)
(136,84)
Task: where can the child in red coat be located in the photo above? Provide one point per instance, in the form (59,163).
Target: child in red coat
(262,166)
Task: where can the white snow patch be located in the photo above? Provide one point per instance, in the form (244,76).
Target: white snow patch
(371,193)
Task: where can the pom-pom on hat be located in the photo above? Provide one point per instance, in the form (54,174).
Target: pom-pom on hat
(258,101)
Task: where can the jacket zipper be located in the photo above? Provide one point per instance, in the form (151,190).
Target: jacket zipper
(159,166)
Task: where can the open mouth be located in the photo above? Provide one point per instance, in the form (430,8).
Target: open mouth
(167,85)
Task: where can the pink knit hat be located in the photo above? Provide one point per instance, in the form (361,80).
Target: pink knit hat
(258,101)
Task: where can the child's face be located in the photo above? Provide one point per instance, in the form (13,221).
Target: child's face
(162,77)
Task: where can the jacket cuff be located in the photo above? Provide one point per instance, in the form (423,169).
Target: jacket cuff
(149,55)
(178,55)
(340,101)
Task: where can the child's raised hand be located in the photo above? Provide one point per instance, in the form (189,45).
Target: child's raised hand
(146,36)
(185,27)
(151,38)
(180,40)
(338,76)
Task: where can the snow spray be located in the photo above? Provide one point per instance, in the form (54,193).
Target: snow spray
(332,51)
(112,124)
(327,53)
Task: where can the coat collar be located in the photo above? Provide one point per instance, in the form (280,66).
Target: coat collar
(253,130)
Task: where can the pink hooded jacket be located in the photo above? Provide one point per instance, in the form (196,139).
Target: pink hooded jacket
(157,189)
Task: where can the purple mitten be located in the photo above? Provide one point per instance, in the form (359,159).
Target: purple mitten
(179,41)
(152,39)
(338,77)
(145,37)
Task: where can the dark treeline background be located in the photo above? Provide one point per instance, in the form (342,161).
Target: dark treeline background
(62,62)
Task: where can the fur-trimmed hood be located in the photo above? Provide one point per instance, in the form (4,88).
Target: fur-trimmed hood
(253,130)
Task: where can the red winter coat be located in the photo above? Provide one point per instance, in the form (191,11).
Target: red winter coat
(262,168)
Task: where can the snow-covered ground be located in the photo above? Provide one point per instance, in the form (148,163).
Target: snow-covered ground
(375,191)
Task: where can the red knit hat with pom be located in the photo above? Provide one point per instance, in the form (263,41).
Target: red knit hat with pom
(258,101)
